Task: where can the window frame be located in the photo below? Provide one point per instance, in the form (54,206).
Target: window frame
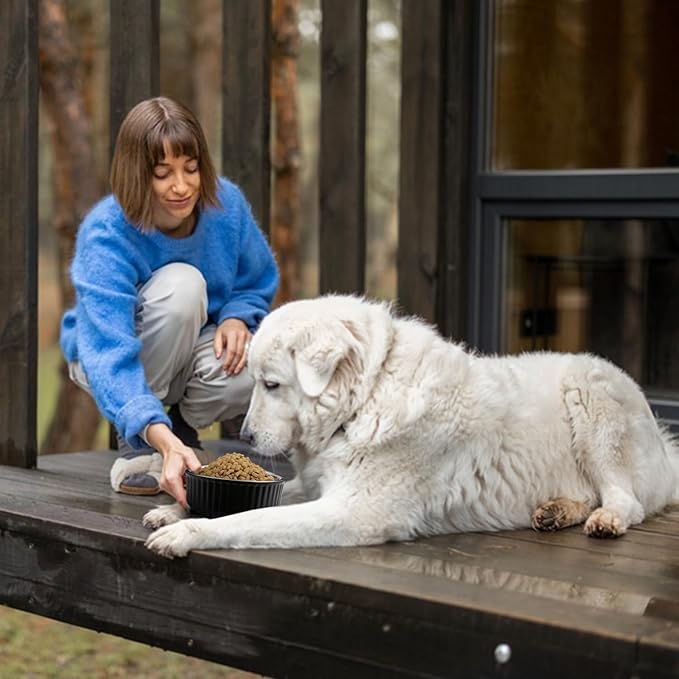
(498,196)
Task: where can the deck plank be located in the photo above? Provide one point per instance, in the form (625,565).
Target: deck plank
(568,605)
(545,571)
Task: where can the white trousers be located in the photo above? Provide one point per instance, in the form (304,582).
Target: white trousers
(177,352)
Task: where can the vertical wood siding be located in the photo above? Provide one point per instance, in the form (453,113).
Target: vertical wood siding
(18,231)
(135,49)
(246,102)
(342,146)
(434,186)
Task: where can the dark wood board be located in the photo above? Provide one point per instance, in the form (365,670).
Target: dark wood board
(342,229)
(135,57)
(18,231)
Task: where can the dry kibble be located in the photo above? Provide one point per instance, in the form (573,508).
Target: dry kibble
(237,467)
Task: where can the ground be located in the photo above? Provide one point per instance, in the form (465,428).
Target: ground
(33,647)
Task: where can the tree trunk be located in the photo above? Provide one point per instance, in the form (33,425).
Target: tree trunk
(286,152)
(76,418)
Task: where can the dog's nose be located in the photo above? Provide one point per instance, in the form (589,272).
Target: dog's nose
(247,436)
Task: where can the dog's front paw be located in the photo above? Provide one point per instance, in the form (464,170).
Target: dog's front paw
(164,515)
(178,539)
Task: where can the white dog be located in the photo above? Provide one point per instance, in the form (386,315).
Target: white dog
(396,433)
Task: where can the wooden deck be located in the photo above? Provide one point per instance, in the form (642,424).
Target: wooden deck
(568,606)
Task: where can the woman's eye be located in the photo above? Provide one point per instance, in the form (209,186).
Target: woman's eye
(160,175)
(192,169)
(270,386)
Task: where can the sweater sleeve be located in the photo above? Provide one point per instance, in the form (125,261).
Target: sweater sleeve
(257,274)
(108,349)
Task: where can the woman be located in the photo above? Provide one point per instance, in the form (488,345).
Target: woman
(172,276)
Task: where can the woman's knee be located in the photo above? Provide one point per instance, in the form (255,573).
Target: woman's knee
(177,293)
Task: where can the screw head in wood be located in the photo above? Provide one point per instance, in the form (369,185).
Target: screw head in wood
(503,653)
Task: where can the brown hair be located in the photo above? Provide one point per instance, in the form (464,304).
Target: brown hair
(140,146)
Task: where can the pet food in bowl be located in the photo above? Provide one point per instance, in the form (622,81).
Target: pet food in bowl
(232,483)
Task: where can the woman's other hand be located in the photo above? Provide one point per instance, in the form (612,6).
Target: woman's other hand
(231,343)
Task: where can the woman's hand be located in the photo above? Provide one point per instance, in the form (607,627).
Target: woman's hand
(177,458)
(231,343)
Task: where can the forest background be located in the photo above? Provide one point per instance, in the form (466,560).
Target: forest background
(74,153)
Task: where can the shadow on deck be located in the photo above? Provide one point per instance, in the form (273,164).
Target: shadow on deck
(566,605)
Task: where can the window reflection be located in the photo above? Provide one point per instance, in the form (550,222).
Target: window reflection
(610,287)
(585,84)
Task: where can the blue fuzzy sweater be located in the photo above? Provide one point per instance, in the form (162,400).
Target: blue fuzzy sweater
(113,258)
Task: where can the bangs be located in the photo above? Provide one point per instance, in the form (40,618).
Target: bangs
(179,137)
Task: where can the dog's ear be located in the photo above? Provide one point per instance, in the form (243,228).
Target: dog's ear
(316,363)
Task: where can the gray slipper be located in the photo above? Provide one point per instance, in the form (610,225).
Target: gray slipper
(138,475)
(140,484)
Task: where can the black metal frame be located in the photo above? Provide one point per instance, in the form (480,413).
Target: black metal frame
(498,196)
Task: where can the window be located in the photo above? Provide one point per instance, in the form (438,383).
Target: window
(585,84)
(574,231)
(606,286)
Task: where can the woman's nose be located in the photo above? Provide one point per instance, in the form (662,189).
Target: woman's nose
(179,183)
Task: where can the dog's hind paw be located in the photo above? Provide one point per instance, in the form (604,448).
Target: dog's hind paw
(604,523)
(164,515)
(559,513)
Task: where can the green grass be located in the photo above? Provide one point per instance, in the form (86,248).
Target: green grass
(49,360)
(33,647)
(48,365)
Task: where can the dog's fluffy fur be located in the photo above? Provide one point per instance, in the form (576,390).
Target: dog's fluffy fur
(396,433)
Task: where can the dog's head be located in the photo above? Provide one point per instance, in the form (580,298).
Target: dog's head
(307,360)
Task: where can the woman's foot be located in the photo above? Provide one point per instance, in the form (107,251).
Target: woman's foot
(136,472)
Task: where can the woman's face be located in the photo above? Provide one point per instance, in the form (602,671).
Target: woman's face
(176,190)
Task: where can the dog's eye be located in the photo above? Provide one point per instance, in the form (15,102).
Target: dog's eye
(270,386)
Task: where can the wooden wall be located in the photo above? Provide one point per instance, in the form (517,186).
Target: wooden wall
(436,82)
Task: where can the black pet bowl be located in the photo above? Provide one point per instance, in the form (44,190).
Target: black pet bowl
(211,496)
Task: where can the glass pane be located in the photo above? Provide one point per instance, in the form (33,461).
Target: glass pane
(585,84)
(609,287)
